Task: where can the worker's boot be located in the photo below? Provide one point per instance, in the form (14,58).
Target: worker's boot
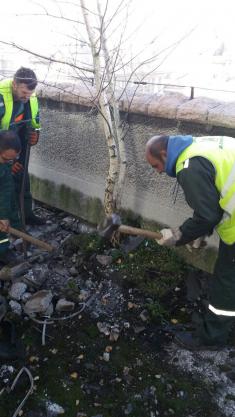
(189,341)
(34,220)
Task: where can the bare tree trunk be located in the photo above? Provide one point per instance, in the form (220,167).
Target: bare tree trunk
(116,120)
(109,203)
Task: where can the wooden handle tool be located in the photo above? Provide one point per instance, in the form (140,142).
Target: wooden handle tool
(31,239)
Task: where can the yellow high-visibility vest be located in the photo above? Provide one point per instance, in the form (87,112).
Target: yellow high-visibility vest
(6,92)
(220,151)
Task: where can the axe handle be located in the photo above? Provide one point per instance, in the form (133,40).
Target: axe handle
(128,230)
(30,239)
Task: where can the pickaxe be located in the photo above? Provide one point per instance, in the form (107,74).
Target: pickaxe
(113,223)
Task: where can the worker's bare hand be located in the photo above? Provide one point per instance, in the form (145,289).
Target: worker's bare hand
(33,137)
(4,225)
(17,167)
(169,237)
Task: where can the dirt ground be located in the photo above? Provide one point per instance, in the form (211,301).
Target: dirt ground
(113,354)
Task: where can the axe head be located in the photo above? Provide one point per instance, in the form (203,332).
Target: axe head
(109,226)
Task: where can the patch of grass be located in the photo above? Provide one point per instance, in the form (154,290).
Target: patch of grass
(153,269)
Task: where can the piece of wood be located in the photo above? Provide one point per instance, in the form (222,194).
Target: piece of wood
(31,239)
(128,230)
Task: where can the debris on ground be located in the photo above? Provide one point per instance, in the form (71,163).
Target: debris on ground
(98,323)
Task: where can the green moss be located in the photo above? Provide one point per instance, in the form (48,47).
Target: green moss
(87,243)
(153,269)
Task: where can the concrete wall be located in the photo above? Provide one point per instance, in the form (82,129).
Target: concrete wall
(69,164)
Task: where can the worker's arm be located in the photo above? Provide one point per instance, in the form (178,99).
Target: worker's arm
(198,183)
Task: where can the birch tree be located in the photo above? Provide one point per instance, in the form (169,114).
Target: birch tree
(101,23)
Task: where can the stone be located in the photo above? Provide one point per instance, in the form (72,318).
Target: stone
(139,329)
(39,302)
(129,409)
(15,307)
(144,315)
(106,356)
(103,328)
(37,276)
(114,334)
(104,260)
(83,295)
(73,271)
(49,311)
(26,296)
(54,409)
(64,305)
(17,290)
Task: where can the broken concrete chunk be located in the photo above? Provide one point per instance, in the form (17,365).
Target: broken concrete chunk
(83,295)
(73,271)
(64,305)
(103,328)
(106,356)
(39,302)
(26,296)
(49,311)
(144,315)
(37,276)
(104,260)
(114,334)
(6,273)
(15,307)
(54,409)
(17,290)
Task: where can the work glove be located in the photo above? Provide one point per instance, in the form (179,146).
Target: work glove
(33,137)
(17,167)
(198,243)
(169,237)
(4,225)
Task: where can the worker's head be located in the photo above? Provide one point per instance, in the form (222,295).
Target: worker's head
(156,152)
(24,84)
(10,146)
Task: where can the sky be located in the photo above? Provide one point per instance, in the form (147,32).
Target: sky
(183,34)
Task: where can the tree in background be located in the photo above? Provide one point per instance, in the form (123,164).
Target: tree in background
(112,57)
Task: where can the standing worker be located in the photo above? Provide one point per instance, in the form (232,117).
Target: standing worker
(205,169)
(10,148)
(19,112)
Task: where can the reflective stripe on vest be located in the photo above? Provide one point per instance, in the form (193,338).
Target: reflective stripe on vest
(4,241)
(219,312)
(6,92)
(220,151)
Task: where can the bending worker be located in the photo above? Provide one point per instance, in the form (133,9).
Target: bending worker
(10,148)
(19,112)
(205,169)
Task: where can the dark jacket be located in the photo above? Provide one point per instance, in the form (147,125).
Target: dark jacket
(198,184)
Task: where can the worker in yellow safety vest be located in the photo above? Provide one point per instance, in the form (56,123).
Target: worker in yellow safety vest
(19,111)
(205,169)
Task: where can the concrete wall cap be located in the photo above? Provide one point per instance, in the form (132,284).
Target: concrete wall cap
(177,106)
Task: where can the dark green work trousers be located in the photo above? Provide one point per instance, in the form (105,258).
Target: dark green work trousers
(13,217)
(28,201)
(214,329)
